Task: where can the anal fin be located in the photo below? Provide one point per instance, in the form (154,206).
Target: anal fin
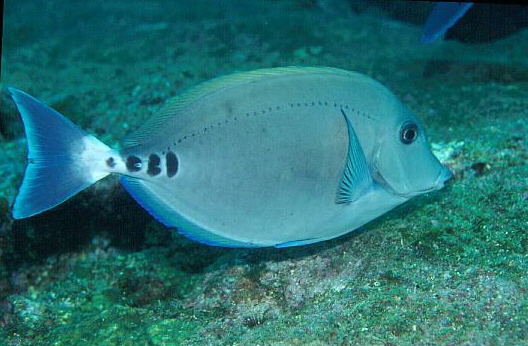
(147,195)
(298,243)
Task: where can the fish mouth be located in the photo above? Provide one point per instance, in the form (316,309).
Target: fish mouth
(445,176)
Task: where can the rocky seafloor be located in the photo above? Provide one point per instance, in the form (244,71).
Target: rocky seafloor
(449,267)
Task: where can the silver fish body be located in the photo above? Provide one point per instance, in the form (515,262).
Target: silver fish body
(274,157)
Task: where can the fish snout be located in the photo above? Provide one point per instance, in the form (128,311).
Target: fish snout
(444,177)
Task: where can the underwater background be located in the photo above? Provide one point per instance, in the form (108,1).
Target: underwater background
(449,267)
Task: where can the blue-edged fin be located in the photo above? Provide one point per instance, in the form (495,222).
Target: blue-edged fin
(60,158)
(443,16)
(148,196)
(356,177)
(298,243)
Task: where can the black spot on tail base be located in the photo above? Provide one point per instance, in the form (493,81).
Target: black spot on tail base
(133,163)
(172,164)
(110,162)
(153,165)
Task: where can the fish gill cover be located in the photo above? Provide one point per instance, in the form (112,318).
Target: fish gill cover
(449,267)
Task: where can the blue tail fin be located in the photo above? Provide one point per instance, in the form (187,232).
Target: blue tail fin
(62,158)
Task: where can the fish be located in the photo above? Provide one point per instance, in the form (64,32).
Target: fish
(442,17)
(274,157)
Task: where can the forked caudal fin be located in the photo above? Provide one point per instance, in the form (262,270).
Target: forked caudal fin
(62,158)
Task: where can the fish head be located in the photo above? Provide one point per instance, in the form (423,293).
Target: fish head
(403,162)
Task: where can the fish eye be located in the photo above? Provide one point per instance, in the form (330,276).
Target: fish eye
(408,132)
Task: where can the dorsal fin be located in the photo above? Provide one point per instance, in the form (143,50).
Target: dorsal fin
(191,95)
(356,177)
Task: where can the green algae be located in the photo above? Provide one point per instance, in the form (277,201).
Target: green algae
(445,268)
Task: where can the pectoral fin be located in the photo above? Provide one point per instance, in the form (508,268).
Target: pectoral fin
(356,176)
